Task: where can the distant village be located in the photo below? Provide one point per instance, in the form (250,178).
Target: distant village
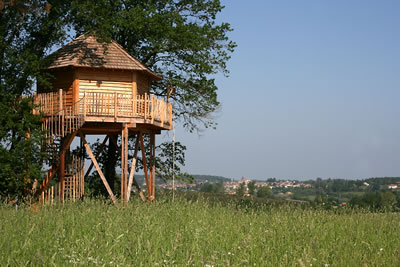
(287,187)
(230,187)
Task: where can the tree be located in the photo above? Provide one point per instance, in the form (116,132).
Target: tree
(264,192)
(28,29)
(388,200)
(241,190)
(367,200)
(217,188)
(179,40)
(165,161)
(252,187)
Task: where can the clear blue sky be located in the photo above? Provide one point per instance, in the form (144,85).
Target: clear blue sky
(314,91)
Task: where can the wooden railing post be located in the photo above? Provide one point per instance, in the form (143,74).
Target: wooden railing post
(145,106)
(133,105)
(115,107)
(84,106)
(60,97)
(170,115)
(162,113)
(153,110)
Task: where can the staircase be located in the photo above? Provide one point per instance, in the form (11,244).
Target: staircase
(73,185)
(60,127)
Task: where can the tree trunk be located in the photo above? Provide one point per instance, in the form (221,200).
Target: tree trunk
(111,163)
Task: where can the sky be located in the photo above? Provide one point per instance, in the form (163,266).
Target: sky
(313,91)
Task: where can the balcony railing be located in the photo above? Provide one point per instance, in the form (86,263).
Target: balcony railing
(111,105)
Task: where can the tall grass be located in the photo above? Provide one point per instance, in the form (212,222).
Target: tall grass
(199,233)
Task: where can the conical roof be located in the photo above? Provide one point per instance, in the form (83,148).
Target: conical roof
(86,51)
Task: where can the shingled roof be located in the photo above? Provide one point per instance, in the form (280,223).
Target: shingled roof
(86,51)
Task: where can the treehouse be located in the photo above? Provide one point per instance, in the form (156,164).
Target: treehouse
(98,89)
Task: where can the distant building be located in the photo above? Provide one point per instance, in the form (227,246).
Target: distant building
(393,186)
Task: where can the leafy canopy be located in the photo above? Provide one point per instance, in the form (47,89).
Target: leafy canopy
(178,39)
(28,29)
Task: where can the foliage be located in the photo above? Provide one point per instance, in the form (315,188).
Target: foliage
(181,40)
(210,178)
(27,31)
(337,191)
(196,233)
(20,156)
(217,187)
(388,200)
(378,184)
(251,187)
(169,164)
(241,189)
(264,192)
(376,201)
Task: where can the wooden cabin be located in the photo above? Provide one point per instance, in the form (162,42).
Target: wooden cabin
(111,84)
(99,88)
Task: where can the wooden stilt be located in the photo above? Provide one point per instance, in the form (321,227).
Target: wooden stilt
(153,163)
(123,170)
(83,178)
(124,163)
(132,172)
(89,151)
(146,175)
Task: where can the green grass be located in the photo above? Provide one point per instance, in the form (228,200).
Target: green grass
(199,233)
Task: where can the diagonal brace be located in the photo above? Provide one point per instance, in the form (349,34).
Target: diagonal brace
(89,151)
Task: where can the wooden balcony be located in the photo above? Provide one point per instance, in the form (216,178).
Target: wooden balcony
(105,107)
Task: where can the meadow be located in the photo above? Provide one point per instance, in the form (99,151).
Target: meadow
(196,233)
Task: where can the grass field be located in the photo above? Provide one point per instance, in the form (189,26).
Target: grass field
(197,233)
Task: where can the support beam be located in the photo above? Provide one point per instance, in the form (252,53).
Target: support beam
(97,156)
(124,163)
(146,175)
(123,170)
(89,151)
(153,164)
(132,172)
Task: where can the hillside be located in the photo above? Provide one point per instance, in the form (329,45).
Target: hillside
(210,178)
(198,178)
